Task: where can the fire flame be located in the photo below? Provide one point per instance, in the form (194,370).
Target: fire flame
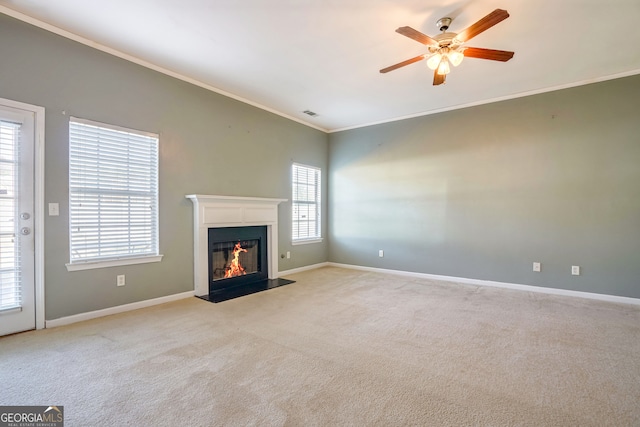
(235,269)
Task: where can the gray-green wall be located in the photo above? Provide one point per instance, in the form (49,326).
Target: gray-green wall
(484,192)
(209,144)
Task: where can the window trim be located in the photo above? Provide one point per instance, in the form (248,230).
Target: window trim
(315,239)
(306,241)
(115,261)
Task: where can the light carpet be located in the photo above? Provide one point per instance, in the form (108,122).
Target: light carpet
(340,348)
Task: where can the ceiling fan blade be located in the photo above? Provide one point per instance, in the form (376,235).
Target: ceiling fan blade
(438,79)
(402,64)
(492,54)
(484,24)
(417,36)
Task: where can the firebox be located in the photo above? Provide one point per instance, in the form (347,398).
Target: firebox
(237,257)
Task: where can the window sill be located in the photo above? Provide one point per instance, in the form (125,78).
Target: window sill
(306,241)
(112,263)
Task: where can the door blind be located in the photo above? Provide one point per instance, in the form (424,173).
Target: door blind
(113,192)
(10,281)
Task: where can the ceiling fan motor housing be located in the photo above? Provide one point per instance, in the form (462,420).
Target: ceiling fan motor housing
(443,23)
(446,40)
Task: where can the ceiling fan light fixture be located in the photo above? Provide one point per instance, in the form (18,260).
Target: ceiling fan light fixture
(450,47)
(434,60)
(443,68)
(456,57)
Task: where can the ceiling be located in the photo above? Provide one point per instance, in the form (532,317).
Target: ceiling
(288,56)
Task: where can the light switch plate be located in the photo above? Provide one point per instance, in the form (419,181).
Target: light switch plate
(54,209)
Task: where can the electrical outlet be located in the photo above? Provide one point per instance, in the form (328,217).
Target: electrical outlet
(537,267)
(120,280)
(575,270)
(381,253)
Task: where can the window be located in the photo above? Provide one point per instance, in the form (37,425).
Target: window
(306,204)
(113,195)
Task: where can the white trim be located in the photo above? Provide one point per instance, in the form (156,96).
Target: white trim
(492,100)
(477,282)
(95,45)
(113,127)
(306,241)
(38,183)
(304,165)
(305,268)
(90,265)
(117,309)
(39,179)
(206,198)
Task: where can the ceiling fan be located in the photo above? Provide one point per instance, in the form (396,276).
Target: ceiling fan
(448,48)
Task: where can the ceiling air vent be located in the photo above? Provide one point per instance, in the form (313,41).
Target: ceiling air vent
(310,113)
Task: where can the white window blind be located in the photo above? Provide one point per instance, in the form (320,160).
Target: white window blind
(306,203)
(10,280)
(113,192)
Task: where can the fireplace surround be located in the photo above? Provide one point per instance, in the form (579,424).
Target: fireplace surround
(216,213)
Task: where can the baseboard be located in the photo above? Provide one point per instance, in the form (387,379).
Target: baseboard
(151,302)
(115,310)
(301,269)
(477,282)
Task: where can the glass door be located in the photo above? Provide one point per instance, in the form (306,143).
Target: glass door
(17,245)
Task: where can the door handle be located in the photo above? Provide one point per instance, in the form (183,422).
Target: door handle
(25,231)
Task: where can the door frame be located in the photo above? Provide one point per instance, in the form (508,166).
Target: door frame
(38,202)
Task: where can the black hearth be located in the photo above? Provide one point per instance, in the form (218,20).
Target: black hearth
(237,259)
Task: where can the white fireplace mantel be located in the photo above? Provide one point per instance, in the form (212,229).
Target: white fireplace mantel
(230,211)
